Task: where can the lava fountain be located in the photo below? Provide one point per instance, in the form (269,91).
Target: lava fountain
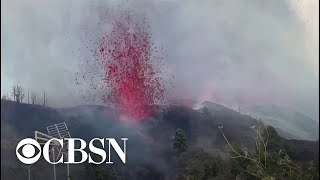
(131,66)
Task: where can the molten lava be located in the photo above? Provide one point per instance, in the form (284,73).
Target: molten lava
(130,69)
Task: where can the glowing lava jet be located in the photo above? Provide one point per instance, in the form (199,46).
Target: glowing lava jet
(132,75)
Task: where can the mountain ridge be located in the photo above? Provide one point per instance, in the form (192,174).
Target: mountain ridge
(295,124)
(149,140)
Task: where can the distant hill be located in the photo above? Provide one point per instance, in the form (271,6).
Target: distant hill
(301,149)
(289,123)
(19,121)
(150,141)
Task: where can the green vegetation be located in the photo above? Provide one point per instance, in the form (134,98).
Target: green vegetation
(199,164)
(180,141)
(269,160)
(102,171)
(195,163)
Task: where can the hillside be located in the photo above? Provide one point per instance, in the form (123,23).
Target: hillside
(150,142)
(289,123)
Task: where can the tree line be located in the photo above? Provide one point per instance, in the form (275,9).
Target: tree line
(19,95)
(270,159)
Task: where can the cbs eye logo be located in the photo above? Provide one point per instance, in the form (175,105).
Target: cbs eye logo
(28,149)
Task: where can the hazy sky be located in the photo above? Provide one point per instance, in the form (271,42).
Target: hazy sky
(244,51)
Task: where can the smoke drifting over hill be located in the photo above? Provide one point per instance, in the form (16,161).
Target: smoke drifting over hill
(230,52)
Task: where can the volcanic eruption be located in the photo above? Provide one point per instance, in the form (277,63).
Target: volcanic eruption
(132,66)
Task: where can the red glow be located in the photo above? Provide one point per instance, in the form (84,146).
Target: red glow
(131,74)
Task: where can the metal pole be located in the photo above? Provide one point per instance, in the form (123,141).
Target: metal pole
(68,172)
(29,174)
(29,168)
(54,166)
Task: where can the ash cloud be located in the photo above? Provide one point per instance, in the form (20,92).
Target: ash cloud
(230,52)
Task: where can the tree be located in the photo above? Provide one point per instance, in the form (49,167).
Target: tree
(211,170)
(17,93)
(21,93)
(14,92)
(28,97)
(101,171)
(33,98)
(44,100)
(254,165)
(269,160)
(5,97)
(199,164)
(180,141)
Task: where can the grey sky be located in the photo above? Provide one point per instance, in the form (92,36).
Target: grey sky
(252,52)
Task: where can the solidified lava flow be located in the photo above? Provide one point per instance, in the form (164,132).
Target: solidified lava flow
(132,77)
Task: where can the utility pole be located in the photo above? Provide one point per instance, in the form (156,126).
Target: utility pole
(54,165)
(68,171)
(29,178)
(58,131)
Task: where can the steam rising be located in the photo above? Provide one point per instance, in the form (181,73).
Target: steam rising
(231,52)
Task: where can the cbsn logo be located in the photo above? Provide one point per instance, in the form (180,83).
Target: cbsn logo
(28,150)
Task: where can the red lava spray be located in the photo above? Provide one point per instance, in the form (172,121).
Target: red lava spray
(132,74)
